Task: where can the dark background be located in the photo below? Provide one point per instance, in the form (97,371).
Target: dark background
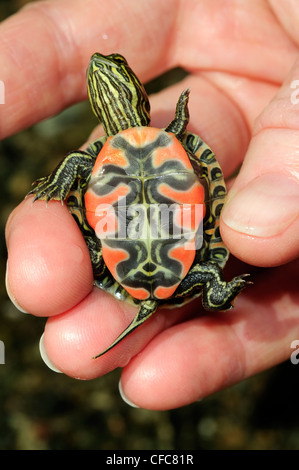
(43,410)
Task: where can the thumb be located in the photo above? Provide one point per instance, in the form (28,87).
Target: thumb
(260,220)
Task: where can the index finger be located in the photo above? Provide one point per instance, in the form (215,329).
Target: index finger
(43,67)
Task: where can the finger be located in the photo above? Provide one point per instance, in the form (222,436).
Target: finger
(226,40)
(48,73)
(197,358)
(260,221)
(288,15)
(46,47)
(49,269)
(74,338)
(248,96)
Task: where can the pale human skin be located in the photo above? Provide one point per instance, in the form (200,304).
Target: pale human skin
(243,58)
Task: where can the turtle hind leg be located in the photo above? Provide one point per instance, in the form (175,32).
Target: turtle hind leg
(217,294)
(147,308)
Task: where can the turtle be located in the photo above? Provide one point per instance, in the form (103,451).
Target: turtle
(147,201)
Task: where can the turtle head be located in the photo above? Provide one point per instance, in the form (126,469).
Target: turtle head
(116,95)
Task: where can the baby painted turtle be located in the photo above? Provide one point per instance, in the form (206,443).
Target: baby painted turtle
(147,200)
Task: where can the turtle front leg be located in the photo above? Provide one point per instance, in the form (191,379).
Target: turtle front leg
(217,294)
(147,308)
(76,165)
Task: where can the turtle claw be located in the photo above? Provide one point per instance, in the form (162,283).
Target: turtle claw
(46,190)
(244,276)
(241,281)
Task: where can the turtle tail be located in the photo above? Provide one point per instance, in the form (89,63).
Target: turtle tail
(147,308)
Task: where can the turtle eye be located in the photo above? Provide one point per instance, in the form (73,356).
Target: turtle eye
(119,59)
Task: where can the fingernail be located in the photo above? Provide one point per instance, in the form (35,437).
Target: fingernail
(123,396)
(12,298)
(265,207)
(44,356)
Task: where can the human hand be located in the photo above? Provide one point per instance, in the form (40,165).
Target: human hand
(238,56)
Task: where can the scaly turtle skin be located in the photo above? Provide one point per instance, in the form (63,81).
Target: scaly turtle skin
(147,200)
